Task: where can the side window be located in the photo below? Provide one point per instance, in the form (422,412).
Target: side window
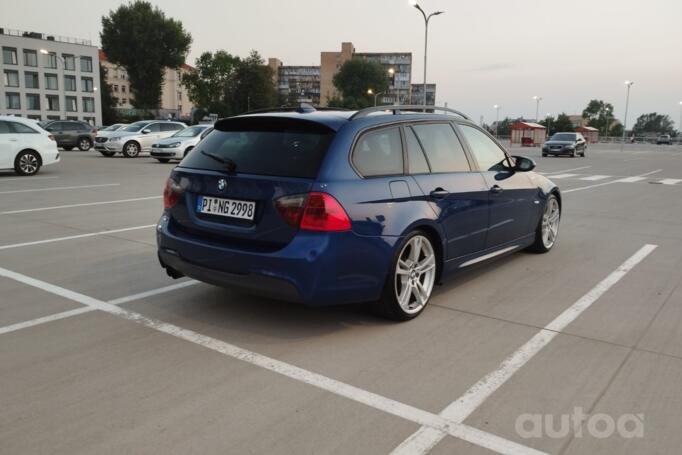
(170,127)
(416,161)
(488,154)
(443,150)
(20,128)
(4,128)
(154,127)
(379,152)
(205,133)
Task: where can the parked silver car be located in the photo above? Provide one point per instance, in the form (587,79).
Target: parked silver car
(139,137)
(104,134)
(178,145)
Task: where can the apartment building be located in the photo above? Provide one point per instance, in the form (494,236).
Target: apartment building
(174,98)
(49,77)
(417,96)
(316,83)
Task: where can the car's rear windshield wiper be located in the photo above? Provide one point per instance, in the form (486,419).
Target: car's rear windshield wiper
(229,165)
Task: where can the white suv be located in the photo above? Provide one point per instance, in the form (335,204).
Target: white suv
(25,146)
(138,137)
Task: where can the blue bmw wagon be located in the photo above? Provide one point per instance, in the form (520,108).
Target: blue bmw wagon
(328,207)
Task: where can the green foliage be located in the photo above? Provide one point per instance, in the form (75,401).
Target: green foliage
(109,115)
(599,115)
(562,124)
(140,38)
(616,130)
(355,77)
(503,127)
(227,85)
(653,123)
(550,124)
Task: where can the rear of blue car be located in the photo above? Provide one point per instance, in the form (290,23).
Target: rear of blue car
(245,210)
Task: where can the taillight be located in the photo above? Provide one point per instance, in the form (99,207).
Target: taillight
(313,212)
(171,193)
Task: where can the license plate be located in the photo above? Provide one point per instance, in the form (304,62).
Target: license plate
(231,208)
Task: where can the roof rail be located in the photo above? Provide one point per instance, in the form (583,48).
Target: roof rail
(410,107)
(301,108)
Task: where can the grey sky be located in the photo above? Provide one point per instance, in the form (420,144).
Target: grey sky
(480,53)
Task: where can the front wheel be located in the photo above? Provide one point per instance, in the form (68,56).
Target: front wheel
(84,144)
(27,163)
(163,160)
(131,149)
(548,227)
(410,282)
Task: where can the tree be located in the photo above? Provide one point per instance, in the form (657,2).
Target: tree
(209,86)
(227,85)
(355,77)
(109,114)
(144,41)
(550,124)
(599,115)
(653,123)
(254,87)
(562,124)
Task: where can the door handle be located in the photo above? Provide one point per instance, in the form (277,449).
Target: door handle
(439,193)
(497,189)
(14,140)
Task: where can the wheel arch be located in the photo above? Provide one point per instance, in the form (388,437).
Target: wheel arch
(435,234)
(40,157)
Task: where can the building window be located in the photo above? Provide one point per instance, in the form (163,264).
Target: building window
(12,101)
(72,118)
(30,58)
(11,78)
(124,101)
(86,64)
(116,88)
(69,62)
(87,84)
(52,102)
(71,104)
(53,117)
(34,117)
(123,89)
(70,83)
(32,102)
(31,80)
(88,104)
(50,60)
(90,120)
(51,82)
(9,55)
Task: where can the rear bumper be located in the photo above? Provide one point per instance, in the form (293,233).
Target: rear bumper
(315,268)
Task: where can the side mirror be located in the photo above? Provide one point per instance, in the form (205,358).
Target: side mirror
(523,164)
(146,131)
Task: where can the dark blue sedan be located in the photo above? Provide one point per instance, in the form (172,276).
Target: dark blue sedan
(327,207)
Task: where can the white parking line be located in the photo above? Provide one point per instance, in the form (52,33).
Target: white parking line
(153,292)
(595,177)
(631,179)
(567,170)
(58,188)
(87,204)
(563,176)
(424,439)
(72,237)
(390,406)
(607,183)
(28,179)
(670,181)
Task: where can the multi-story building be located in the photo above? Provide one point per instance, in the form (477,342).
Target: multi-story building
(417,96)
(49,77)
(174,98)
(316,84)
(296,84)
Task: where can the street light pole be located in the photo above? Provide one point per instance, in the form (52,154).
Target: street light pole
(628,84)
(426,36)
(679,126)
(537,107)
(371,92)
(497,117)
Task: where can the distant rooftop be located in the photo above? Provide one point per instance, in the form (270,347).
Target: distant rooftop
(44,36)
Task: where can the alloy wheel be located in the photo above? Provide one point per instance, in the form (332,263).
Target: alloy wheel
(415,274)
(550,222)
(28,163)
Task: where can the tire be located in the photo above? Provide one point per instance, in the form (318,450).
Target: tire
(107,153)
(68,149)
(409,280)
(546,232)
(163,160)
(27,162)
(84,144)
(189,149)
(544,154)
(131,149)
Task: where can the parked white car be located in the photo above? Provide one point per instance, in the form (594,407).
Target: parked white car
(139,137)
(179,145)
(25,146)
(104,134)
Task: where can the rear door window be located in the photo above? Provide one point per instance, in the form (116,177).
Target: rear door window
(442,147)
(379,152)
(416,161)
(154,127)
(170,127)
(488,154)
(263,146)
(4,127)
(20,128)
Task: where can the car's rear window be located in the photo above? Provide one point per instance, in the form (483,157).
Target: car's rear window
(274,146)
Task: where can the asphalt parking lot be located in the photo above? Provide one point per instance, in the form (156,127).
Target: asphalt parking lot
(101,352)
